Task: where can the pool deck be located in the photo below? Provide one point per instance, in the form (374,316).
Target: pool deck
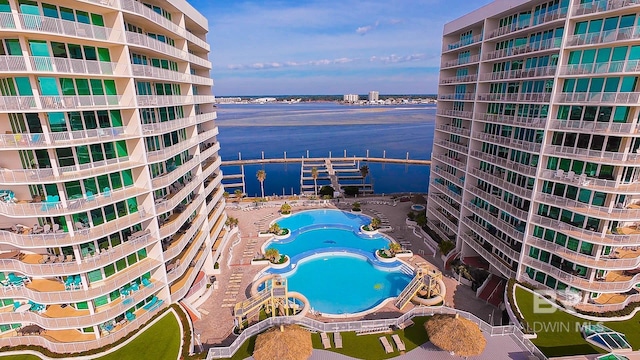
(215,326)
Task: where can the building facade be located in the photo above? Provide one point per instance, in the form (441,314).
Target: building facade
(374,96)
(351,98)
(536,152)
(111,202)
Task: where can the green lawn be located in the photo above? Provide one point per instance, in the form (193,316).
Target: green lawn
(158,342)
(559,332)
(20,357)
(362,347)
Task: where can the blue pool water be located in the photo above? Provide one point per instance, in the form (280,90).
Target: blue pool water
(334,264)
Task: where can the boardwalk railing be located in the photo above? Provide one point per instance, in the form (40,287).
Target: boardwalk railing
(509,330)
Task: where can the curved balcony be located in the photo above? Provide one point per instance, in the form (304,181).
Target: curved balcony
(174,224)
(177,247)
(103,287)
(591,236)
(509,142)
(73,347)
(597,156)
(498,202)
(196,60)
(600,212)
(504,163)
(167,126)
(74,267)
(610,128)
(142,40)
(603,263)
(450,161)
(452,178)
(215,181)
(599,98)
(549,44)
(461,44)
(528,121)
(158,73)
(541,19)
(81,236)
(459,79)
(67,173)
(461,61)
(453,146)
(44,209)
(492,259)
(66,138)
(597,6)
(181,288)
(516,97)
(201,80)
(591,183)
(456,113)
(537,72)
(458,97)
(447,191)
(454,130)
(43,24)
(71,66)
(13,63)
(84,102)
(446,205)
(444,219)
(582,283)
(615,35)
(187,256)
(171,177)
(17,103)
(178,197)
(171,151)
(612,67)
(495,242)
(500,182)
(79,321)
(203,99)
(495,221)
(163,100)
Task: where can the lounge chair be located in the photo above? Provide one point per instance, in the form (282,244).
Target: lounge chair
(69,258)
(130,316)
(399,342)
(337,340)
(325,340)
(146,282)
(385,343)
(68,283)
(150,304)
(45,259)
(56,228)
(46,229)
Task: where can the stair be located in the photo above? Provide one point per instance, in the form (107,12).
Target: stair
(409,291)
(498,295)
(493,292)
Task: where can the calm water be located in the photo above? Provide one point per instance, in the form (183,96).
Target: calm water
(337,283)
(321,128)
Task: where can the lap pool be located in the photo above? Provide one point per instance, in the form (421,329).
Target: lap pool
(333,263)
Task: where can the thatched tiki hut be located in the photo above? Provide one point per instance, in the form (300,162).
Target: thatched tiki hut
(455,334)
(287,342)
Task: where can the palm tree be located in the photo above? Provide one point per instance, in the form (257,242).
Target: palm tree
(364,171)
(275,229)
(272,254)
(394,248)
(314,175)
(238,193)
(261,175)
(225,195)
(375,223)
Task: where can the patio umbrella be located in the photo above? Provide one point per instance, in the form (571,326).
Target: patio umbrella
(288,342)
(455,334)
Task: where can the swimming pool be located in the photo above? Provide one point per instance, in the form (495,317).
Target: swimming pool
(333,263)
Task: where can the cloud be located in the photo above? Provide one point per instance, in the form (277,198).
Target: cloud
(395,59)
(390,59)
(362,30)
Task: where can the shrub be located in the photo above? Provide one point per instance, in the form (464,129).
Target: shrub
(326,190)
(285,209)
(446,246)
(351,190)
(355,206)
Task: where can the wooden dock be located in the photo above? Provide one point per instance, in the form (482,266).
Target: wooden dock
(322,160)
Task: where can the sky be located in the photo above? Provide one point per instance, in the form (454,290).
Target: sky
(313,47)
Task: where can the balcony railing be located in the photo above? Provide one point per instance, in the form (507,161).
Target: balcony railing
(597,156)
(449,176)
(591,236)
(163,100)
(610,128)
(459,79)
(201,99)
(171,125)
(492,259)
(461,43)
(601,212)
(71,66)
(601,68)
(450,161)
(27,176)
(547,71)
(601,5)
(78,137)
(548,44)
(201,80)
(171,151)
(447,191)
(17,103)
(528,121)
(175,249)
(43,24)
(461,61)
(560,13)
(515,97)
(197,60)
(446,205)
(604,262)
(494,241)
(604,97)
(500,182)
(443,218)
(494,220)
(83,101)
(497,201)
(456,113)
(459,96)
(622,34)
(509,142)
(158,73)
(453,146)
(13,63)
(171,227)
(151,43)
(504,163)
(454,130)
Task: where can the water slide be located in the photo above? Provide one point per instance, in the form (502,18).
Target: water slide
(434,300)
(259,295)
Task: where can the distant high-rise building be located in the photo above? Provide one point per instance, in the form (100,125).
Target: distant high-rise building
(536,156)
(351,98)
(112,201)
(373,96)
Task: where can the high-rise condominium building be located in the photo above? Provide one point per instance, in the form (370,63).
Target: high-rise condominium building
(351,98)
(536,165)
(373,96)
(110,192)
